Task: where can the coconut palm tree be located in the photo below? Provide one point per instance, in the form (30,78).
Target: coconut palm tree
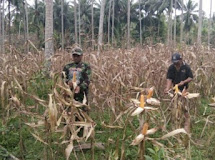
(75,17)
(26,26)
(62,24)
(101,22)
(140,21)
(181,24)
(113,17)
(209,25)
(160,6)
(190,16)
(128,23)
(109,14)
(2,31)
(37,20)
(200,23)
(49,48)
(92,23)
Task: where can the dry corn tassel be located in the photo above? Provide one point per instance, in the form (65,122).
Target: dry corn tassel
(150,92)
(141,107)
(141,136)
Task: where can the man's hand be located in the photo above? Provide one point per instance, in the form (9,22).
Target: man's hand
(168,85)
(77,89)
(70,83)
(166,90)
(181,83)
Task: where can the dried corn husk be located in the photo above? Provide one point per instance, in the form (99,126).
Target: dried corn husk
(212,104)
(52,112)
(152,131)
(137,140)
(137,111)
(173,133)
(135,101)
(192,95)
(184,93)
(153,101)
(141,136)
(69,149)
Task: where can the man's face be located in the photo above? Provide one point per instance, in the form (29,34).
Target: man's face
(177,64)
(77,58)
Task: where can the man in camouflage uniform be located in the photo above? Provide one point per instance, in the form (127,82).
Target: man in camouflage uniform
(82,72)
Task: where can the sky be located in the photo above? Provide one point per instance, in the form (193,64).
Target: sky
(205,5)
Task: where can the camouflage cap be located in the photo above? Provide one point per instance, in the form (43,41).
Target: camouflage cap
(77,50)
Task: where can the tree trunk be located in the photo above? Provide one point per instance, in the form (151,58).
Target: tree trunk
(37,20)
(209,25)
(92,23)
(49,48)
(128,23)
(9,21)
(182,25)
(75,15)
(101,21)
(113,17)
(109,13)
(200,24)
(140,20)
(79,22)
(19,34)
(3,31)
(0,28)
(62,25)
(171,10)
(175,26)
(26,23)
(169,32)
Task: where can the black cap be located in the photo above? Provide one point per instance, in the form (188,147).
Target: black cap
(176,57)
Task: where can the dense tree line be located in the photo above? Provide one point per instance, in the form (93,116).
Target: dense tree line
(125,22)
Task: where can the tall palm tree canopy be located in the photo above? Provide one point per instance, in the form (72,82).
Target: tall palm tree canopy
(190,15)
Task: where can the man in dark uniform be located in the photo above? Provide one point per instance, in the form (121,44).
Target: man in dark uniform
(178,73)
(80,72)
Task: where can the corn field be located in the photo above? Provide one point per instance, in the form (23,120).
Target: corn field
(39,116)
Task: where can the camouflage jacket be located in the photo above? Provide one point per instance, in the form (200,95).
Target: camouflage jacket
(83,72)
